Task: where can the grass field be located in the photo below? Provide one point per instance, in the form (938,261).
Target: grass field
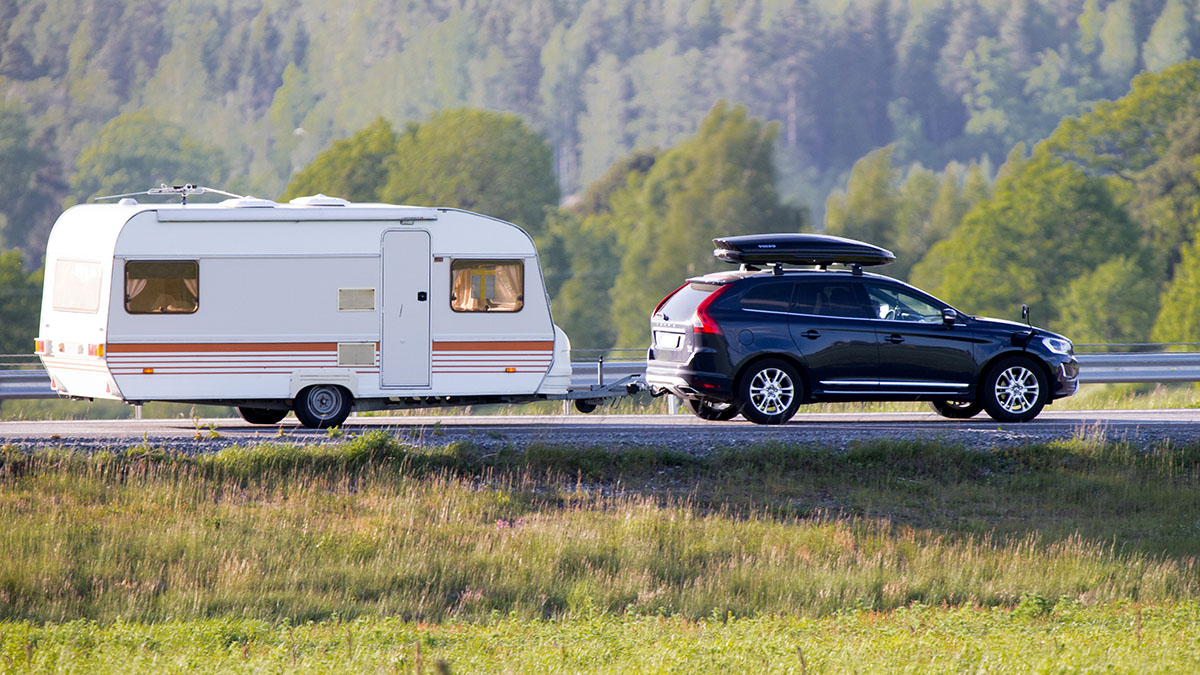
(1078,554)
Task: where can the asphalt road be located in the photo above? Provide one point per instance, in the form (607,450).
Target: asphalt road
(682,432)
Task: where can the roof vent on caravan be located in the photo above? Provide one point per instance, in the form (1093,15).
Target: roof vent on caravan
(319,200)
(248,203)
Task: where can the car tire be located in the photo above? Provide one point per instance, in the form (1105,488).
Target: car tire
(716,412)
(956,410)
(1014,390)
(261,415)
(322,406)
(769,392)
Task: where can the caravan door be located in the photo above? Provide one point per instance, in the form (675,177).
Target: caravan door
(404,347)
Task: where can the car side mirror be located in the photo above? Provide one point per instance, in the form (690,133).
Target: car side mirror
(949,316)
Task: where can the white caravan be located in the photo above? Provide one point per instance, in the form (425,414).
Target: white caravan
(318,306)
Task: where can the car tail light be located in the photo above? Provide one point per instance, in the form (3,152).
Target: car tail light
(664,300)
(702,321)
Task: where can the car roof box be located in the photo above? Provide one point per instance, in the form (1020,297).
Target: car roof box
(799,249)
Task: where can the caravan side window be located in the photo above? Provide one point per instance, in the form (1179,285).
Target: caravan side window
(162,286)
(487,285)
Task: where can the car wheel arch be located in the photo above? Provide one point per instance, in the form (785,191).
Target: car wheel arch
(790,359)
(995,358)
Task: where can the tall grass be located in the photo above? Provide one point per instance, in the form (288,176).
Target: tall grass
(373,526)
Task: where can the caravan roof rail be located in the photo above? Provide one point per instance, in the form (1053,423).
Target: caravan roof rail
(184,191)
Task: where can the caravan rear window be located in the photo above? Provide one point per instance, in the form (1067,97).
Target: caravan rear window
(162,286)
(487,285)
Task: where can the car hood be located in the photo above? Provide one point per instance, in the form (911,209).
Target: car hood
(1004,325)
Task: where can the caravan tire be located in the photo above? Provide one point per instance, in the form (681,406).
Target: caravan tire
(322,406)
(261,415)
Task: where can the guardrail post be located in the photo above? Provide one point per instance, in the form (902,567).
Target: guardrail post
(672,404)
(137,411)
(566,406)
(600,370)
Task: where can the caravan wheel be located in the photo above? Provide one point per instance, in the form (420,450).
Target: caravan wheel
(322,406)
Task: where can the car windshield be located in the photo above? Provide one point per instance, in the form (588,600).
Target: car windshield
(895,304)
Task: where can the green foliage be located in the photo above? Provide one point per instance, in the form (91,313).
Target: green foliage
(137,151)
(488,162)
(20,300)
(1125,136)
(1115,302)
(585,270)
(867,209)
(1048,223)
(354,168)
(1179,320)
(719,182)
(22,159)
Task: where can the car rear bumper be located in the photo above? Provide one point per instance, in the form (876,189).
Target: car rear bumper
(686,382)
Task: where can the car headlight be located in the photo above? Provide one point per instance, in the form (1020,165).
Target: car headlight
(1057,345)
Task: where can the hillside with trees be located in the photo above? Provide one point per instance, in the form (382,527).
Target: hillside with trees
(616,130)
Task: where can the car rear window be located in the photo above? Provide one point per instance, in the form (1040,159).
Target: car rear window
(769,297)
(679,307)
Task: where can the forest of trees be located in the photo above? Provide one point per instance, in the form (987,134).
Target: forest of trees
(1041,151)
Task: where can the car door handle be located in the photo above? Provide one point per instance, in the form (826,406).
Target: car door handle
(894,339)
(811,334)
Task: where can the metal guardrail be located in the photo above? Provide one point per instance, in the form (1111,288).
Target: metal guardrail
(16,384)
(1093,369)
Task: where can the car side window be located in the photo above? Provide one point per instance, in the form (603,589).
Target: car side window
(896,304)
(829,298)
(769,297)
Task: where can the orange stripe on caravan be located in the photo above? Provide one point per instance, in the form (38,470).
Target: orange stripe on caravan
(118,348)
(493,346)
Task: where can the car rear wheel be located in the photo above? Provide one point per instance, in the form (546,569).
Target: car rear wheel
(717,412)
(957,410)
(322,406)
(769,392)
(261,415)
(1015,390)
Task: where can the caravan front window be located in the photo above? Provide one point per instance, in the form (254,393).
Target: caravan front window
(76,285)
(487,285)
(162,286)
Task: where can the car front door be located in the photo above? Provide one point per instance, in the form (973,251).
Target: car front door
(831,328)
(919,353)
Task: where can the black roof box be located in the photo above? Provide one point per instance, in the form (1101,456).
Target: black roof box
(799,249)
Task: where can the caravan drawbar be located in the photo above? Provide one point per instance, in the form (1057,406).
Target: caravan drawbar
(318,306)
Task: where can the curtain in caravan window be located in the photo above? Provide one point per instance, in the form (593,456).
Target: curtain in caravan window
(162,286)
(487,285)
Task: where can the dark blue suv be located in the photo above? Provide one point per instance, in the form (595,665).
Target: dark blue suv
(762,340)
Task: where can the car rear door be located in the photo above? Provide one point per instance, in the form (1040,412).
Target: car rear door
(833,332)
(918,352)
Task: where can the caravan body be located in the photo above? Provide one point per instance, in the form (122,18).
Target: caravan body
(315,305)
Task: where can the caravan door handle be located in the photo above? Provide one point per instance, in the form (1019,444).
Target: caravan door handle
(421,296)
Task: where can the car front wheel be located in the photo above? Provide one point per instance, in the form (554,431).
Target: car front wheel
(1015,390)
(769,392)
